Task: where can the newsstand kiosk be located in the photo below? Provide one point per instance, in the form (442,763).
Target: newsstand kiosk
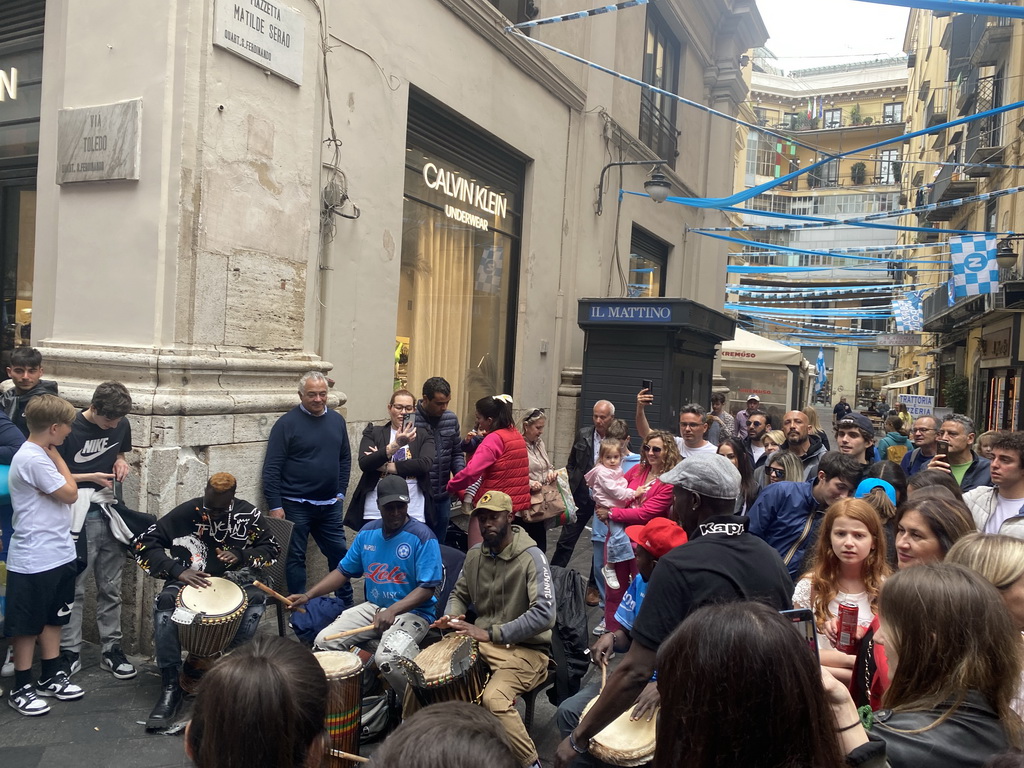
(672,342)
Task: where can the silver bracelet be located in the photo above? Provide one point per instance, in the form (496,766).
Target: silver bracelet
(575,746)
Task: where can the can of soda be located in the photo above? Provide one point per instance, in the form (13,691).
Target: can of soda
(846,632)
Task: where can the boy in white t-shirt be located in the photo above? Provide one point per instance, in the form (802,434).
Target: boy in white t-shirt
(41,563)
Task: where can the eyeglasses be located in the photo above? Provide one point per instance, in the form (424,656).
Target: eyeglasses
(404,408)
(776,472)
(922,430)
(651,449)
(536,413)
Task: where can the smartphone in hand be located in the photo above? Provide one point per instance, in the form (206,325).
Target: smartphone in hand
(802,620)
(409,421)
(647,384)
(942,447)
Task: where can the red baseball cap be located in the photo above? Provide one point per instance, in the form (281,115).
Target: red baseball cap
(659,536)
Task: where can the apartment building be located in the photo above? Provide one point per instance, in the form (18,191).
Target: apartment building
(844,300)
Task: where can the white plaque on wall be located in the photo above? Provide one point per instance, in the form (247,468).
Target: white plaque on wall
(266,33)
(100,143)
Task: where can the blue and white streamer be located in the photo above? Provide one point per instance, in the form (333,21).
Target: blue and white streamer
(578,14)
(957,6)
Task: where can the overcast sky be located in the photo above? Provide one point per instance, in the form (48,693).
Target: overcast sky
(814,33)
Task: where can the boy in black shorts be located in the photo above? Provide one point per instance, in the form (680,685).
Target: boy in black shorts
(41,563)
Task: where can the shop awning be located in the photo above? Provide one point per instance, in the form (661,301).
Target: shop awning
(751,348)
(905,383)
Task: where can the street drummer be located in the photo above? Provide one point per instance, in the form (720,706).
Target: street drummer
(217,535)
(400,560)
(508,582)
(653,541)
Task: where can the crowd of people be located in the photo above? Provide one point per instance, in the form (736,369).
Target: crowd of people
(706,546)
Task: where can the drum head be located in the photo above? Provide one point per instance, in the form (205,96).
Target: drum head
(221,598)
(624,742)
(436,660)
(339,663)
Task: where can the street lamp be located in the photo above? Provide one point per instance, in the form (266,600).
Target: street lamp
(1006,257)
(657,186)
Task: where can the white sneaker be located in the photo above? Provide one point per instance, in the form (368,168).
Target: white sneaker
(599,629)
(25,701)
(610,579)
(7,670)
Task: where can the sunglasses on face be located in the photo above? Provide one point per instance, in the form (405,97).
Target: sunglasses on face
(652,449)
(776,472)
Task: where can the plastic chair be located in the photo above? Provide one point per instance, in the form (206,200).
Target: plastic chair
(282,532)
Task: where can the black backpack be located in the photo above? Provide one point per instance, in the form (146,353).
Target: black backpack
(570,640)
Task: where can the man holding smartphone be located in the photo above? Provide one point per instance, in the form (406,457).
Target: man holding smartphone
(953,453)
(95,454)
(923,434)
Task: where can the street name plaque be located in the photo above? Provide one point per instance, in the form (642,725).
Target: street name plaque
(268,34)
(99,143)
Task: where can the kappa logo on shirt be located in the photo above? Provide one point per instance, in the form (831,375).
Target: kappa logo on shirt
(729,529)
(93,448)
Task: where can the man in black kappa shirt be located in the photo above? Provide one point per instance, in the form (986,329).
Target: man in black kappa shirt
(721,562)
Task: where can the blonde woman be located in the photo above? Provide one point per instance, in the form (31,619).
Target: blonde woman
(815,424)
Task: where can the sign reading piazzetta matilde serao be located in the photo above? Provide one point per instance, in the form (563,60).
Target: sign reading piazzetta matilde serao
(268,34)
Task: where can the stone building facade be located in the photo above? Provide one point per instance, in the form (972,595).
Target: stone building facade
(384,196)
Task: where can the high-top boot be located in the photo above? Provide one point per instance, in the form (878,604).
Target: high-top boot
(167,705)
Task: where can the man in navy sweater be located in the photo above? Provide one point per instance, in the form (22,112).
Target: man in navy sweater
(305,476)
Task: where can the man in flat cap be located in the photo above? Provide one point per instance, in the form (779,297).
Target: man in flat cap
(721,562)
(508,582)
(216,534)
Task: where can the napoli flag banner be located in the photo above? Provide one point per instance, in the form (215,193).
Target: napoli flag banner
(975,270)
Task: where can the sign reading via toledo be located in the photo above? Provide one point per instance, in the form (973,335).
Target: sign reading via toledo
(100,143)
(266,33)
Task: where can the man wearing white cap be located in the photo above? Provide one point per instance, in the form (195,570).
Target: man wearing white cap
(722,562)
(753,403)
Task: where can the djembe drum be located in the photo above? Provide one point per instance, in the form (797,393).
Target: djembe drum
(450,670)
(344,703)
(623,741)
(207,619)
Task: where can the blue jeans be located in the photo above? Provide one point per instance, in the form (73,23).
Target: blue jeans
(328,530)
(442,514)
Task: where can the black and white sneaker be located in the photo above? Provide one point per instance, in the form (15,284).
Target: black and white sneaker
(72,661)
(118,664)
(59,687)
(25,701)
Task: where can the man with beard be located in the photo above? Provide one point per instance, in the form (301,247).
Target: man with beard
(757,425)
(216,535)
(507,581)
(802,441)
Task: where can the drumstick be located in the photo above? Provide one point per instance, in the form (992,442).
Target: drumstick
(350,632)
(604,674)
(278,595)
(348,756)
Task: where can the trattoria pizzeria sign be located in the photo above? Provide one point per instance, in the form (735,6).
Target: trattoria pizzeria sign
(471,193)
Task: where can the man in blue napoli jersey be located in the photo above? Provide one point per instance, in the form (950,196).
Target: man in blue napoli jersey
(400,561)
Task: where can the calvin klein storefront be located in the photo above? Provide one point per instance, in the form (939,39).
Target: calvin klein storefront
(460,257)
(21,69)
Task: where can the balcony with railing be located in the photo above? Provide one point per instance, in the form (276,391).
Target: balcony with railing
(985,143)
(942,317)
(937,111)
(993,37)
(658,129)
(951,184)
